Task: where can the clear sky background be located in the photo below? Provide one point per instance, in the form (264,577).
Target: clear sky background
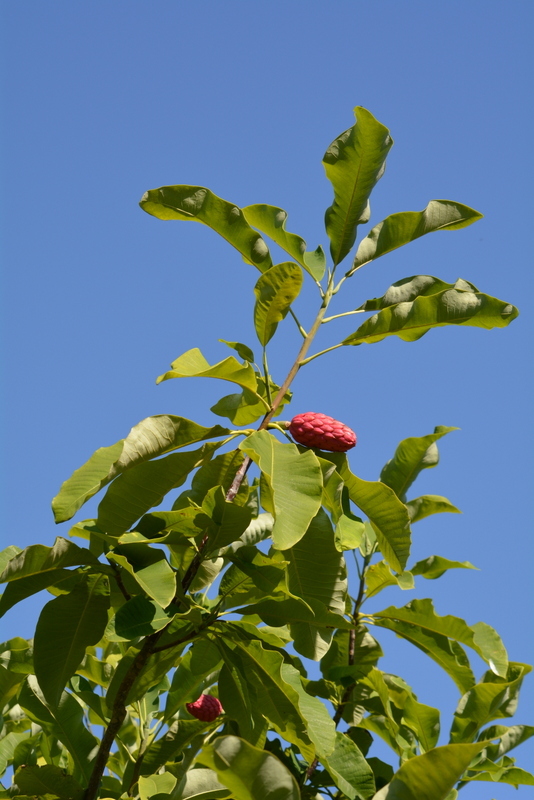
(103,101)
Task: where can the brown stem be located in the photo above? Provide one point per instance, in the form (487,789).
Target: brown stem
(352,648)
(118,578)
(118,714)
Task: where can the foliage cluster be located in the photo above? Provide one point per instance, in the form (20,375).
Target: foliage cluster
(244,577)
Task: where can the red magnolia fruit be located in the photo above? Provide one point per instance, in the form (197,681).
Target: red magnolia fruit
(318,430)
(206,708)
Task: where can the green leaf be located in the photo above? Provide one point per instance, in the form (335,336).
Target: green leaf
(242,408)
(202,659)
(219,471)
(411,457)
(8,745)
(65,722)
(480,637)
(9,685)
(192,364)
(491,699)
(156,785)
(152,437)
(16,655)
(399,229)
(379,576)
(238,705)
(367,651)
(242,350)
(250,773)
(387,514)
(38,567)
(137,617)
(67,626)
(429,504)
(408,289)
(423,720)
(150,569)
(145,485)
(510,737)
(292,611)
(349,533)
(435,566)
(201,205)
(296,482)
(450,656)
(48,780)
(278,700)
(411,320)
(316,572)
(275,291)
(349,769)
(7,554)
(200,784)
(272,221)
(430,776)
(353,163)
(229,520)
(513,776)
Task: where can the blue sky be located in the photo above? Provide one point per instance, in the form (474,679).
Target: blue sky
(103,101)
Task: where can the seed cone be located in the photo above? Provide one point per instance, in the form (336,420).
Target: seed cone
(318,430)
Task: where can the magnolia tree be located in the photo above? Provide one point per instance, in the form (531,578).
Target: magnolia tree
(173,659)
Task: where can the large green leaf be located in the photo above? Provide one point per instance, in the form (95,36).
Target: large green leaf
(399,229)
(7,554)
(379,576)
(480,637)
(250,773)
(349,769)
(65,722)
(47,780)
(38,567)
(296,482)
(510,737)
(237,702)
(353,163)
(387,514)
(145,485)
(201,205)
(493,698)
(411,320)
(272,221)
(219,471)
(274,687)
(275,291)
(228,520)
(429,504)
(450,656)
(411,456)
(408,289)
(513,776)
(432,775)
(67,626)
(202,659)
(9,685)
(156,785)
(192,364)
(150,569)
(139,616)
(435,566)
(246,407)
(152,437)
(200,784)
(316,571)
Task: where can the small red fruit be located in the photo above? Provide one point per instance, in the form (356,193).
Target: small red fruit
(318,430)
(207,708)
